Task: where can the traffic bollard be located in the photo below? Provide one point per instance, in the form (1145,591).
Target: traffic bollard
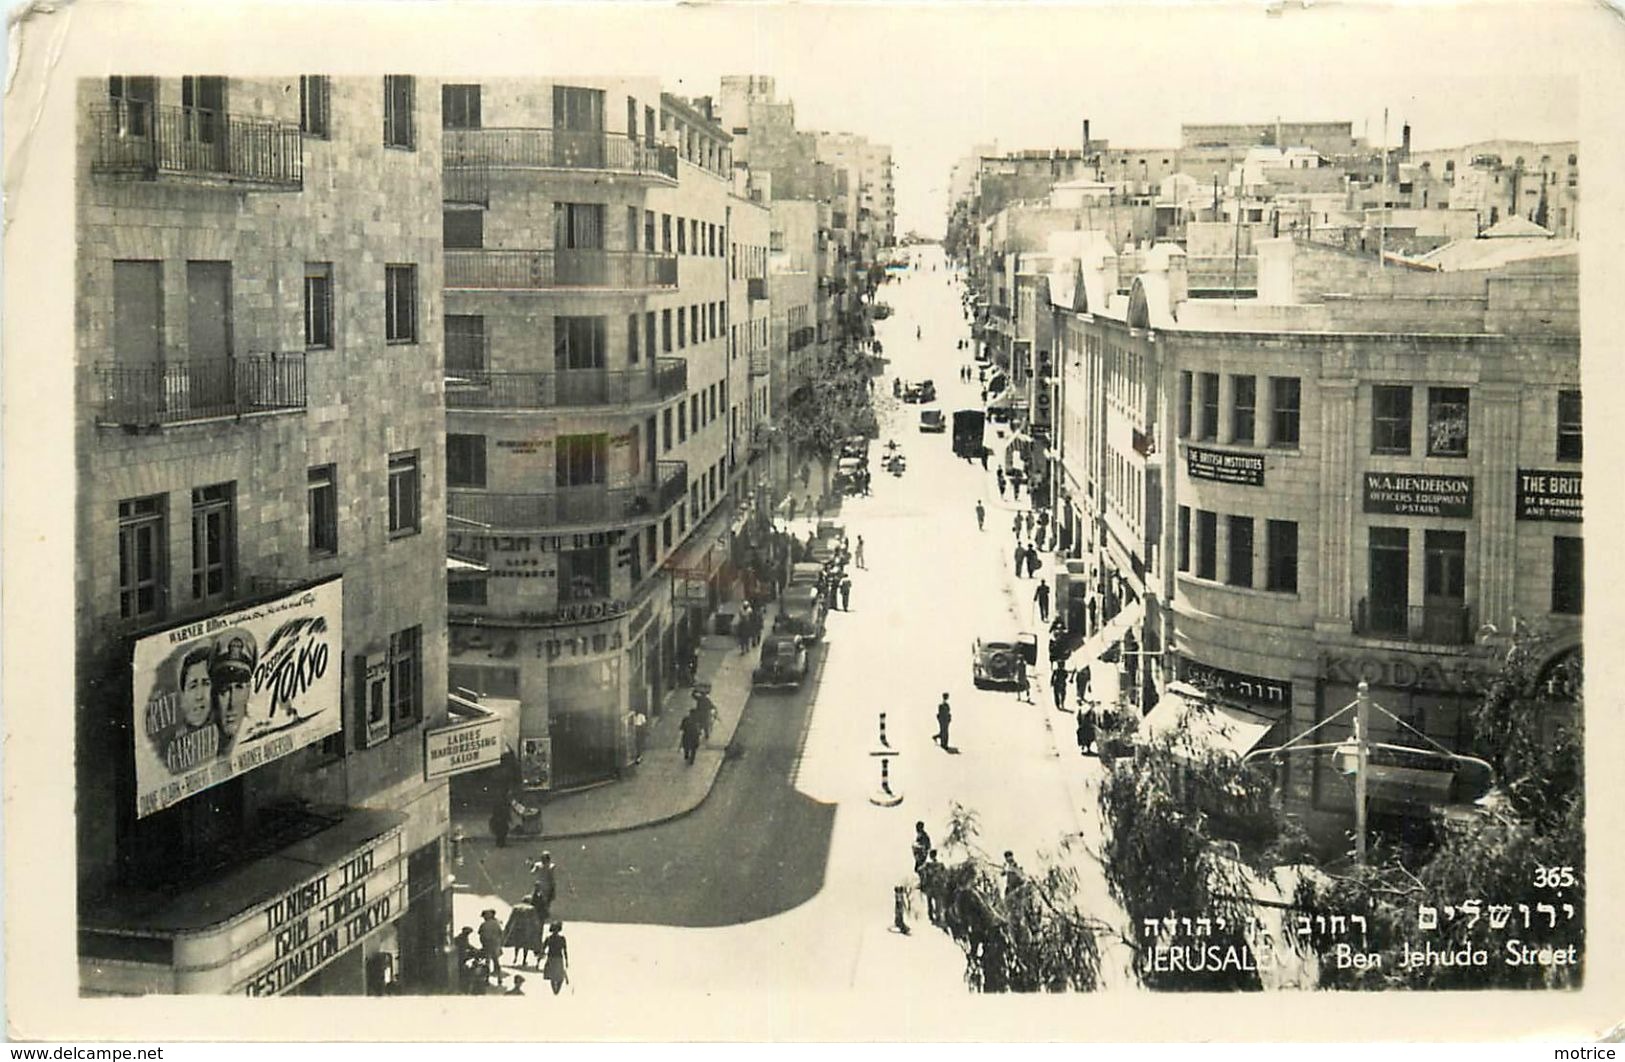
(886,796)
(883,742)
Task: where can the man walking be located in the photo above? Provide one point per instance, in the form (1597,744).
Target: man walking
(742,628)
(491,941)
(1031,557)
(846,593)
(1021,558)
(981,514)
(932,873)
(857,556)
(998,474)
(690,734)
(945,716)
(1057,685)
(921,846)
(1041,595)
(1082,680)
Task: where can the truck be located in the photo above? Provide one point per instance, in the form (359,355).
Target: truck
(968,433)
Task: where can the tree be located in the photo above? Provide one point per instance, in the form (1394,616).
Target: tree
(1030,937)
(1492,867)
(831,403)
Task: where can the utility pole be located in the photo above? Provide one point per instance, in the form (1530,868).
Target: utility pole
(1382,207)
(1362,753)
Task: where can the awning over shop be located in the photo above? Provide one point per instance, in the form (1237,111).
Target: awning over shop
(1220,727)
(458,566)
(1111,633)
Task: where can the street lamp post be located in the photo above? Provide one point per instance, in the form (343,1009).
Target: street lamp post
(1362,753)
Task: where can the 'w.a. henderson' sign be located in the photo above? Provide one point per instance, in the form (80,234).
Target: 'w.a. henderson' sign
(1418,494)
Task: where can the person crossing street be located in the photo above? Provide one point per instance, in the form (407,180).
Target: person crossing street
(1041,596)
(981,514)
(945,716)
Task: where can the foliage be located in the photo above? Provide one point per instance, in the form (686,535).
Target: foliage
(1030,938)
(1537,819)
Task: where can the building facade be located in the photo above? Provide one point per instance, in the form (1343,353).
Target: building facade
(260,617)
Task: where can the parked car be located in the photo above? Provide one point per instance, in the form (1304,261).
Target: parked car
(801,611)
(928,391)
(847,473)
(855,446)
(806,573)
(912,393)
(783,664)
(1002,662)
(932,420)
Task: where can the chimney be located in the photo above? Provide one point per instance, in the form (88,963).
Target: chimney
(1405,141)
(1086,136)
(1276,283)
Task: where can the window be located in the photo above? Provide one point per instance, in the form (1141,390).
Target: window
(694,235)
(214,541)
(682,327)
(1568,575)
(1447,422)
(1207,544)
(665,430)
(1390,420)
(632,327)
(465,342)
(1569,440)
(405,494)
(665,533)
(1241,551)
(1208,427)
(1185,382)
(401,303)
(578,342)
(406,678)
(141,555)
(1282,544)
(318,305)
(682,237)
(459,106)
(582,460)
(133,99)
(632,213)
(682,422)
(1286,399)
(665,331)
(649,333)
(1388,581)
(465,460)
(584,574)
(467,590)
(315,106)
(1243,408)
(398,125)
(578,226)
(649,231)
(322,510)
(462,229)
(665,233)
(1183,543)
(694,411)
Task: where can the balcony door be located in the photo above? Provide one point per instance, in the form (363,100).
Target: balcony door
(203,124)
(1444,587)
(582,473)
(210,382)
(1388,581)
(578,127)
(135,385)
(578,245)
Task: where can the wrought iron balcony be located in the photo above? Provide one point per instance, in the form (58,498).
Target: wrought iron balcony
(513,149)
(572,506)
(504,270)
(176,392)
(566,388)
(1438,624)
(761,363)
(145,142)
(757,289)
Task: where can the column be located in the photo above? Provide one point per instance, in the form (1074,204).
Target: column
(1338,491)
(1494,425)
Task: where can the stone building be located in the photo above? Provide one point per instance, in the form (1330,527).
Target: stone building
(260,613)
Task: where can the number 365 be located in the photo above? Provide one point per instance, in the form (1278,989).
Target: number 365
(1554,877)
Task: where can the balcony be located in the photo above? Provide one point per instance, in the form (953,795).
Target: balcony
(572,506)
(180,392)
(569,388)
(502,270)
(145,142)
(757,289)
(801,337)
(1424,624)
(479,151)
(761,363)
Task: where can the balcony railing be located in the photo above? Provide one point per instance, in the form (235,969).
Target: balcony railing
(1427,624)
(760,363)
(572,506)
(212,389)
(757,288)
(142,141)
(488,149)
(666,378)
(504,270)
(801,337)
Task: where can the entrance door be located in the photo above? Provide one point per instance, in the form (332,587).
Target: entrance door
(1388,581)
(208,338)
(203,123)
(1444,587)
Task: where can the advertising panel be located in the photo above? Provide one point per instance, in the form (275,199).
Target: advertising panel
(461,748)
(1549,495)
(216,698)
(1223,467)
(1416,494)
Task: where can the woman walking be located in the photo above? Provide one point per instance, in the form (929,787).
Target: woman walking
(556,966)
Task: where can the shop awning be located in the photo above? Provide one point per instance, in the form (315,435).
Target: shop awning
(1112,632)
(1220,727)
(459,566)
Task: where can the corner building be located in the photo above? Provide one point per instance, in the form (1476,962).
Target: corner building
(260,619)
(596,405)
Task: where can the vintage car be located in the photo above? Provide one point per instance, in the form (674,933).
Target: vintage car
(848,474)
(806,573)
(1003,662)
(932,420)
(921,391)
(801,611)
(855,446)
(783,664)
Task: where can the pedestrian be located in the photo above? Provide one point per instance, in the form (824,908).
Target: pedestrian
(1041,595)
(1029,523)
(1057,684)
(1032,560)
(1086,730)
(1038,539)
(792,507)
(518,988)
(501,817)
(706,709)
(1012,874)
(981,514)
(846,593)
(1021,558)
(465,959)
(523,933)
(1024,689)
(544,887)
(1081,678)
(999,475)
(556,967)
(1093,616)
(742,628)
(945,716)
(857,557)
(690,730)
(985,452)
(1015,527)
(1015,489)
(922,845)
(491,941)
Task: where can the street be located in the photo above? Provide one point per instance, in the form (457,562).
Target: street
(788,850)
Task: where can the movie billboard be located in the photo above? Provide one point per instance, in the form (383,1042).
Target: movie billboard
(216,698)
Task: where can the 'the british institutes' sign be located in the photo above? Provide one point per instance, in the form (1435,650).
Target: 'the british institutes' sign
(216,698)
(1549,495)
(1418,494)
(1223,467)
